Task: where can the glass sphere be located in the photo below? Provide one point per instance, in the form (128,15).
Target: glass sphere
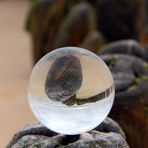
(71,90)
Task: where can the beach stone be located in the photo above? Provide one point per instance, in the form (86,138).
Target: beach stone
(130,108)
(108,134)
(129,47)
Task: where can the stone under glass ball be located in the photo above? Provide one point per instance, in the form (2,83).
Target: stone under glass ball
(71,90)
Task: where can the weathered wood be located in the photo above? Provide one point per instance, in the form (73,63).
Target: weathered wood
(93,41)
(76,25)
(58,23)
(120,19)
(46,18)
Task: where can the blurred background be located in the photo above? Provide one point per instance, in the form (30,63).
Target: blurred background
(15,65)
(30,29)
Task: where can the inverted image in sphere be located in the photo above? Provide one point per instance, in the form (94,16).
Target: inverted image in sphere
(71,90)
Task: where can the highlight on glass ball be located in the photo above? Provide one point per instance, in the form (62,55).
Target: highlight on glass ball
(71,90)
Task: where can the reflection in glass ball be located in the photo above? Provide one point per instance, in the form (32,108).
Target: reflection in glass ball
(71,90)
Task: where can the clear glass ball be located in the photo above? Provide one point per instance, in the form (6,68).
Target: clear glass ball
(71,90)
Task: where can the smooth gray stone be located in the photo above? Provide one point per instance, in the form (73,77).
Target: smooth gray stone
(130,74)
(129,47)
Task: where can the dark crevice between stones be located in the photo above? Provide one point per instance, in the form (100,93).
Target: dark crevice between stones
(69,139)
